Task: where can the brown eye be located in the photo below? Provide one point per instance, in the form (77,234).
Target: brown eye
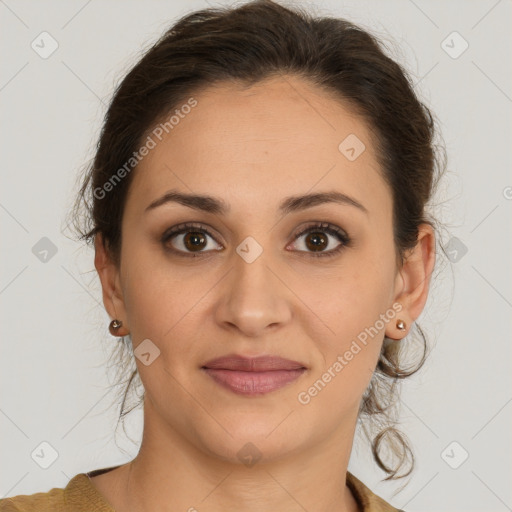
(194,240)
(186,239)
(316,241)
(320,240)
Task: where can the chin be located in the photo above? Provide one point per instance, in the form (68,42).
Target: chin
(253,442)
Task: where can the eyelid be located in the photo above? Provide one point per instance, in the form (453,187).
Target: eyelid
(332,229)
(185,227)
(321,226)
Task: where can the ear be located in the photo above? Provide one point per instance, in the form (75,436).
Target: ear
(108,273)
(413,281)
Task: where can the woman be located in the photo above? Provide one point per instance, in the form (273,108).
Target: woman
(257,205)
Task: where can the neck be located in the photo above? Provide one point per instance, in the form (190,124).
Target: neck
(171,473)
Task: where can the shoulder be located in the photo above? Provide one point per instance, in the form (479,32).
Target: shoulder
(367,500)
(79,495)
(52,500)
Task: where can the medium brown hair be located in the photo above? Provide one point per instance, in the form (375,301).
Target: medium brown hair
(245,45)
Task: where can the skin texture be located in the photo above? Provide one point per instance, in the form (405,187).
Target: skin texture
(252,148)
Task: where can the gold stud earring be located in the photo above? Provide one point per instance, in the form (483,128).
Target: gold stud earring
(400,325)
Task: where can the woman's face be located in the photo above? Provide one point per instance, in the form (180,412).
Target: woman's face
(249,281)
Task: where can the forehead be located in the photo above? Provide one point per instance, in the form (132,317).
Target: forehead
(280,137)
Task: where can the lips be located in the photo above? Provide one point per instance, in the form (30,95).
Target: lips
(253,375)
(252,364)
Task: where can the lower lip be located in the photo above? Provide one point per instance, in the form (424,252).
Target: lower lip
(253,383)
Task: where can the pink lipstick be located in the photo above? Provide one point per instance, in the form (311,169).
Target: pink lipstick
(253,375)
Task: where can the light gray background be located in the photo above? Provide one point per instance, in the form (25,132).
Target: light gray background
(55,340)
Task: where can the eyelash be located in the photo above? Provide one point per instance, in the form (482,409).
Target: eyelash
(326,227)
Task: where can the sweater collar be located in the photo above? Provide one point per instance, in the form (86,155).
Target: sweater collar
(82,496)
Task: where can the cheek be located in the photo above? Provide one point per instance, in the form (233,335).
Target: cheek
(156,296)
(352,297)
(352,307)
(165,303)
(354,302)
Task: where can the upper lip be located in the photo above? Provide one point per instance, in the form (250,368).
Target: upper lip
(252,364)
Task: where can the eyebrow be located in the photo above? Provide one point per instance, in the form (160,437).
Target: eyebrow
(218,206)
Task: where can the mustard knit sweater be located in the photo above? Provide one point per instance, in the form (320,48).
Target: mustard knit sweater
(80,495)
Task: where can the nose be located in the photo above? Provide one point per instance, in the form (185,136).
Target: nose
(253,299)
